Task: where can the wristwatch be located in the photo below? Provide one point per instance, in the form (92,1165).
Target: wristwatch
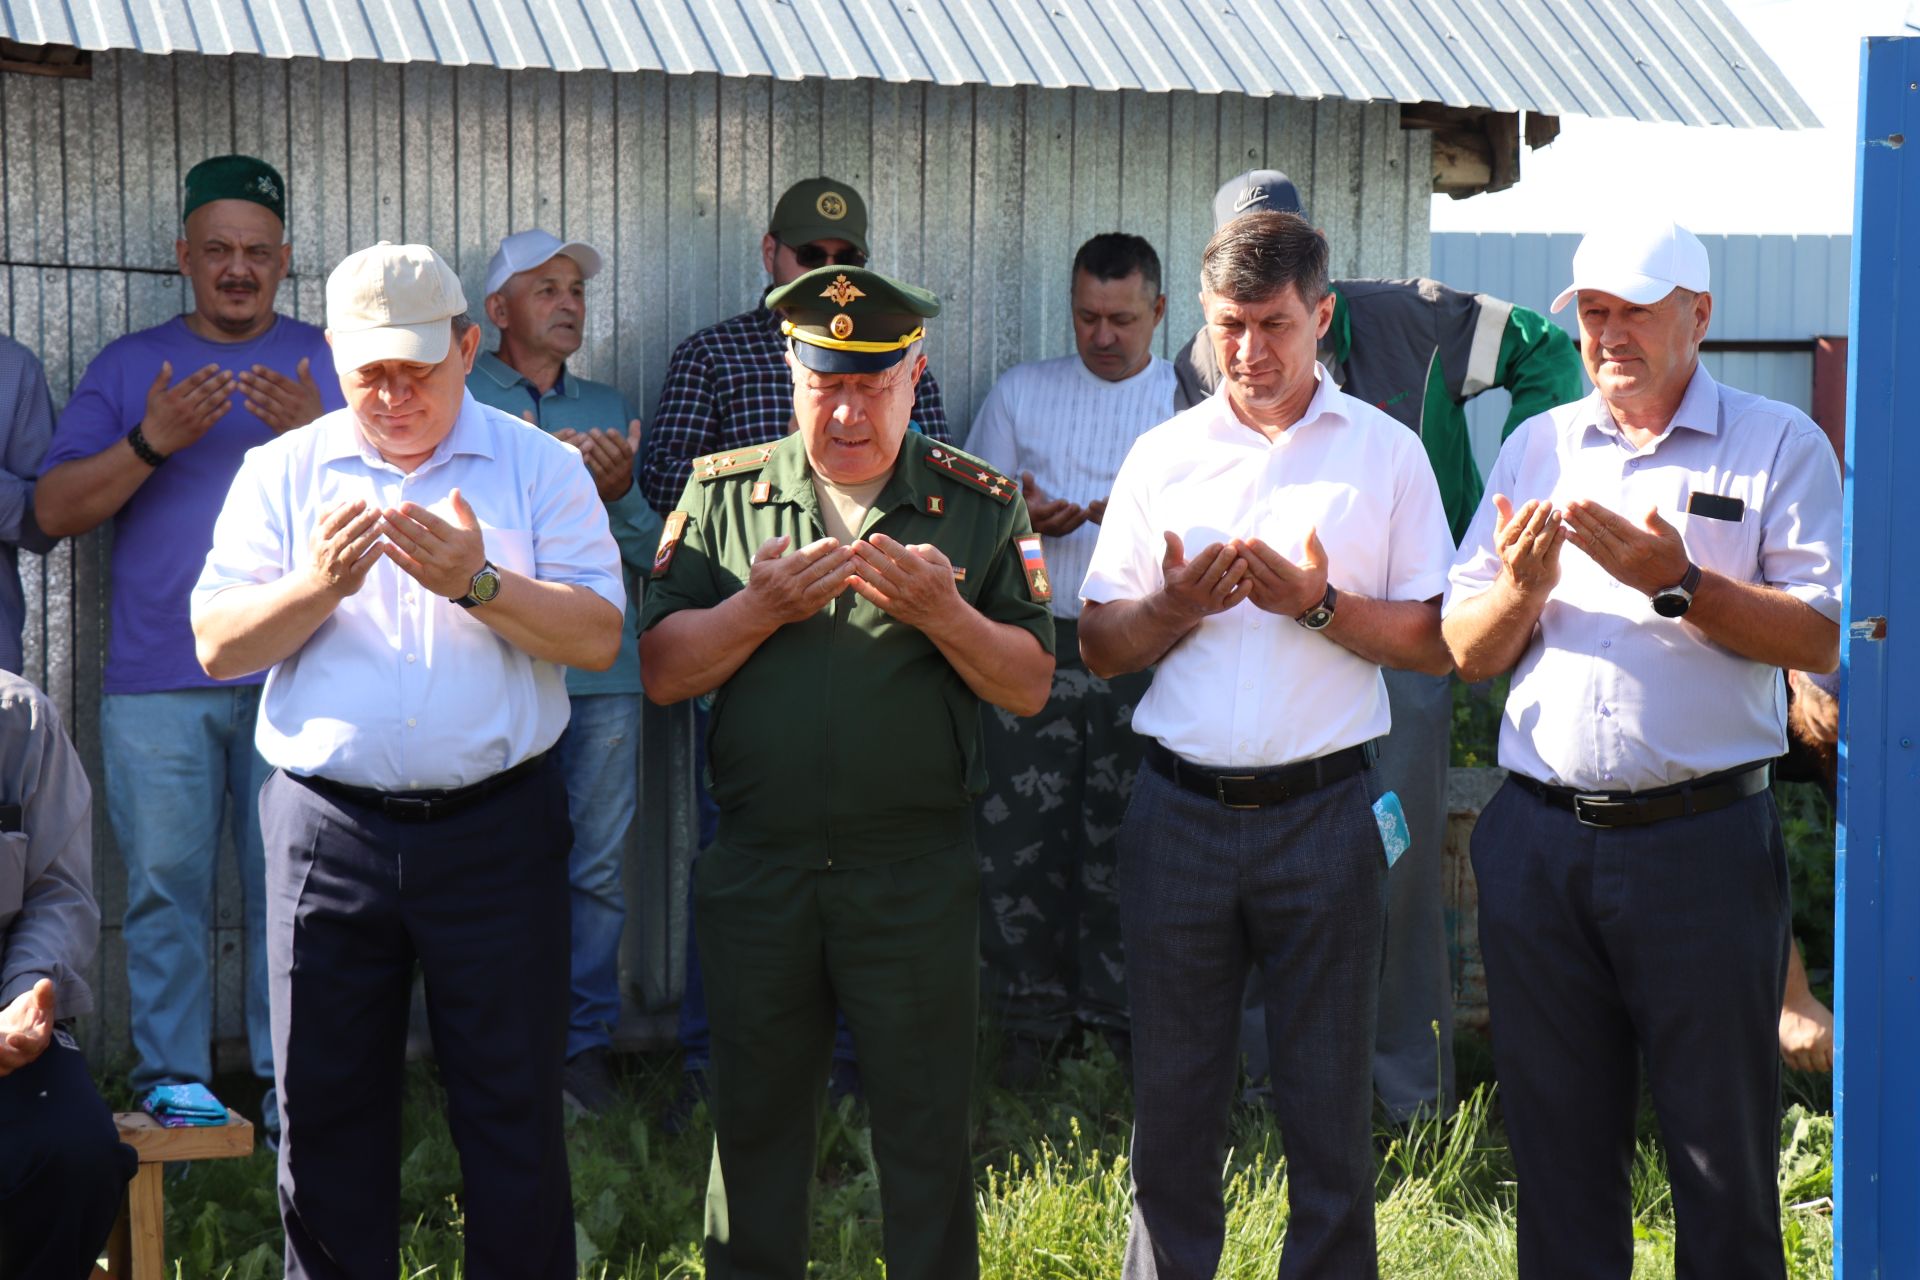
(1672,602)
(484,587)
(1317,618)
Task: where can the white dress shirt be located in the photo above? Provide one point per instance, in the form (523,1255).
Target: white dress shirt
(1609,695)
(1071,428)
(401,689)
(1247,687)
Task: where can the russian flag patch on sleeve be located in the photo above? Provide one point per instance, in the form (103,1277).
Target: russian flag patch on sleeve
(1039,585)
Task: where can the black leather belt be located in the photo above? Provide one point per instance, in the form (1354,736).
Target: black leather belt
(1638,808)
(1237,789)
(423,806)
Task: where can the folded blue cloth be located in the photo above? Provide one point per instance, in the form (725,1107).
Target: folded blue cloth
(179,1106)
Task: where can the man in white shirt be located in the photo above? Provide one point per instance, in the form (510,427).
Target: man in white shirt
(1050,948)
(1270,550)
(414,572)
(1632,872)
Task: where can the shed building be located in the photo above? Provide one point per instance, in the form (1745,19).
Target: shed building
(990,138)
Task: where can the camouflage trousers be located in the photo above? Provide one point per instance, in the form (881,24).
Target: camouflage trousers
(1058,786)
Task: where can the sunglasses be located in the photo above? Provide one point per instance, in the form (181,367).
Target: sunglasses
(812,255)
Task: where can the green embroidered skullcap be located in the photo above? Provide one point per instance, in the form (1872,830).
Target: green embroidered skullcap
(850,319)
(236,178)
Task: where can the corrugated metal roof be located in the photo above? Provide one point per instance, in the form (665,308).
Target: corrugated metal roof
(1688,61)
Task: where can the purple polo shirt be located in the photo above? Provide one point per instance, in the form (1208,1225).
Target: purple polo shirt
(162,534)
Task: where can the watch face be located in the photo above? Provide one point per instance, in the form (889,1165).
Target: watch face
(1317,618)
(486,585)
(1671,604)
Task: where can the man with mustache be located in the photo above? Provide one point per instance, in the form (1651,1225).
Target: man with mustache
(150,440)
(1632,873)
(536,295)
(1059,784)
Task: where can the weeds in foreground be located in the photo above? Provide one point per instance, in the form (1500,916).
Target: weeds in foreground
(1053,1191)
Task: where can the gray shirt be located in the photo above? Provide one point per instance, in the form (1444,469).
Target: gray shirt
(49,924)
(26,424)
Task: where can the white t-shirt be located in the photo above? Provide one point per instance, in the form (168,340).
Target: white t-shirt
(1071,428)
(1247,688)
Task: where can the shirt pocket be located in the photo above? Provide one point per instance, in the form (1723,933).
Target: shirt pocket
(1726,547)
(13,875)
(510,549)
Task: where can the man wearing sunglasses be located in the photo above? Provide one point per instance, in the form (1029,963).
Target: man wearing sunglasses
(727,385)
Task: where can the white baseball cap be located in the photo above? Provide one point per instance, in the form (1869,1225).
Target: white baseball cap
(1639,261)
(525,250)
(392,302)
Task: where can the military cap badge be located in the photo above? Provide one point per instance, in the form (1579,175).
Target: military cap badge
(842,290)
(850,319)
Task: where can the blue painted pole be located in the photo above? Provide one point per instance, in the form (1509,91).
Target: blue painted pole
(1877,1075)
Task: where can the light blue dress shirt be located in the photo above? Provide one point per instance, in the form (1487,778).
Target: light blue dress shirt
(401,689)
(1609,695)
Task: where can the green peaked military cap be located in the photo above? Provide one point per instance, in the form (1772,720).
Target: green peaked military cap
(236,178)
(850,319)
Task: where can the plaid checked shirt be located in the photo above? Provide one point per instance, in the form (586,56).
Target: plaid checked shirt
(728,387)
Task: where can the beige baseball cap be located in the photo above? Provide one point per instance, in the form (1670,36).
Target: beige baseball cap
(392,302)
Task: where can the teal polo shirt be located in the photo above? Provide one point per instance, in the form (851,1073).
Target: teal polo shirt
(581,405)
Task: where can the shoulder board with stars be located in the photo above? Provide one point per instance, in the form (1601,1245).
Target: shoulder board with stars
(717,466)
(971,472)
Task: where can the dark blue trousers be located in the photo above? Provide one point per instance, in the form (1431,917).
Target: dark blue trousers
(63,1168)
(1605,948)
(1206,893)
(479,901)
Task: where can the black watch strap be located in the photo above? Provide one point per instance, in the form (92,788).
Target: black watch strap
(1316,618)
(137,440)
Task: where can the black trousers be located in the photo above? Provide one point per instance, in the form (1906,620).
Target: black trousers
(63,1168)
(479,901)
(1665,943)
(1206,892)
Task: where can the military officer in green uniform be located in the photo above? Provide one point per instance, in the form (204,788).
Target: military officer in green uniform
(850,594)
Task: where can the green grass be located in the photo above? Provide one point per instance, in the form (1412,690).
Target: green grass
(1052,1190)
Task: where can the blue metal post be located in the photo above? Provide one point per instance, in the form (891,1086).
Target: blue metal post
(1877,1081)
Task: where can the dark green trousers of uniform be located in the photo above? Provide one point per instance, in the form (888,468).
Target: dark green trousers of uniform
(893,946)
(1059,782)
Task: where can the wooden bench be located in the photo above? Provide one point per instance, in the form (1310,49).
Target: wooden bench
(137,1248)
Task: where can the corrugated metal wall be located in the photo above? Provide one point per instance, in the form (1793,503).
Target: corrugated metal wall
(1764,287)
(980,193)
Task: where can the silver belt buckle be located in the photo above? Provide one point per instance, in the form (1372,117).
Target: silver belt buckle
(1220,790)
(1580,812)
